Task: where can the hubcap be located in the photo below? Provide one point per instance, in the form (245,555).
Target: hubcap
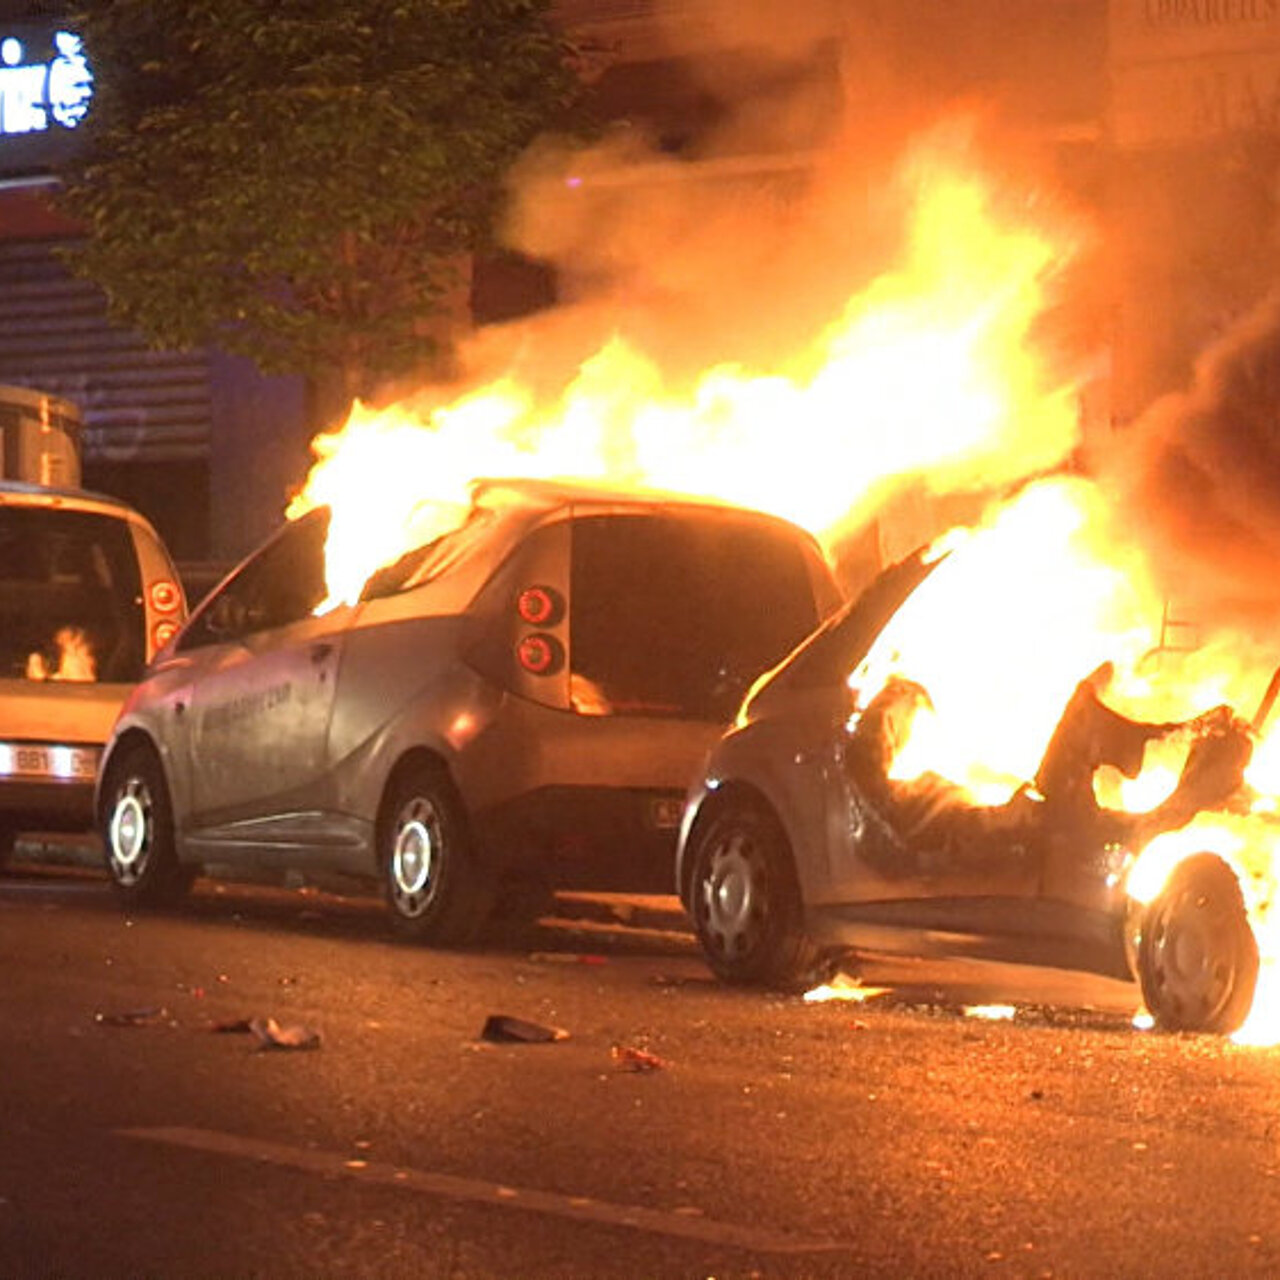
(130,832)
(732,895)
(1193,971)
(414,857)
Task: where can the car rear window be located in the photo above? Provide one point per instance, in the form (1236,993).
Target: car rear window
(70,596)
(674,616)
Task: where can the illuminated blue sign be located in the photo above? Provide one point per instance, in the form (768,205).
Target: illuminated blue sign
(53,93)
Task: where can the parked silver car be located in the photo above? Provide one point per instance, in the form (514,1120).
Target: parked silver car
(529,693)
(798,849)
(88,594)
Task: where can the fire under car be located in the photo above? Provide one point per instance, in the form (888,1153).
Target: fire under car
(88,594)
(799,851)
(521,701)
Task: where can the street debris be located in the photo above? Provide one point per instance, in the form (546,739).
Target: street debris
(153,1017)
(627,1057)
(501,1028)
(269,1033)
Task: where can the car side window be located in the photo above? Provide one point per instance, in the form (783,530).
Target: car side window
(283,583)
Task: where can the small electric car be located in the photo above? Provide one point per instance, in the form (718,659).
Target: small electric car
(88,594)
(797,850)
(526,696)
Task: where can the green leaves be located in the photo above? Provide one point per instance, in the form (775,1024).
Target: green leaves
(289,179)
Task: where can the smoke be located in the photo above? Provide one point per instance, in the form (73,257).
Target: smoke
(1197,477)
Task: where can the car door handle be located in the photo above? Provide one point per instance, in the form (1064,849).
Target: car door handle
(321,651)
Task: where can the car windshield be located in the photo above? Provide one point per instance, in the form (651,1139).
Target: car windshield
(70,596)
(428,561)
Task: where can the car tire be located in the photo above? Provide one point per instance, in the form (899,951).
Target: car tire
(137,832)
(1198,956)
(435,889)
(745,901)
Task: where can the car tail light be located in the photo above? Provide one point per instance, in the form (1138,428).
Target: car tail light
(163,632)
(165,596)
(540,606)
(540,655)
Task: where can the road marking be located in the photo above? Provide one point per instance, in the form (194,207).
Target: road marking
(581,1208)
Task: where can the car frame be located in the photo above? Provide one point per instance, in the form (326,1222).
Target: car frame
(512,707)
(788,867)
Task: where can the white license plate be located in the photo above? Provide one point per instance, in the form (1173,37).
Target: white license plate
(30,760)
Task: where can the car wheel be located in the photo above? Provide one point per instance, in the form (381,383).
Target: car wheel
(746,903)
(137,831)
(435,888)
(1198,957)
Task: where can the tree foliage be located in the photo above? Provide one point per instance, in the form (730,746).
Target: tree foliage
(290,179)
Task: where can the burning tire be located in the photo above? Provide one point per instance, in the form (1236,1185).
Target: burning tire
(745,900)
(1198,957)
(434,887)
(137,831)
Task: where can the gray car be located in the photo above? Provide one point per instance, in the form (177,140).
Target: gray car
(797,851)
(523,700)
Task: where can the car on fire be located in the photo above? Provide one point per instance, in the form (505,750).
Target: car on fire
(88,594)
(798,851)
(524,697)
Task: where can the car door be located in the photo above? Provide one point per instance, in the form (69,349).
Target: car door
(263,683)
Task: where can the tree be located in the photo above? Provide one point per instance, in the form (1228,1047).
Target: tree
(292,179)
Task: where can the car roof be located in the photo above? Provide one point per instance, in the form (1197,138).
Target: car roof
(26,493)
(548,495)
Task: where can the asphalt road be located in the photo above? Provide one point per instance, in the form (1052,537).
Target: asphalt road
(769,1137)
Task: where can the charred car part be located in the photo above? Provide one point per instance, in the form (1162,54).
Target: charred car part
(798,845)
(522,700)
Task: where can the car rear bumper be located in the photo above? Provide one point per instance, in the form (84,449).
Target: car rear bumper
(601,838)
(44,805)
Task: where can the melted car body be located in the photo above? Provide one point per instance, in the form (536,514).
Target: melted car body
(797,848)
(529,693)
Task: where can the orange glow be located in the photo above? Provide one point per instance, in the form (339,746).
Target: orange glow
(75,659)
(931,380)
(927,375)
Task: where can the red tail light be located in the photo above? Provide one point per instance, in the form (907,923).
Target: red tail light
(165,596)
(540,606)
(540,655)
(163,632)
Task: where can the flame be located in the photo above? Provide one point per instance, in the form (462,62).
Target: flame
(927,373)
(931,379)
(75,659)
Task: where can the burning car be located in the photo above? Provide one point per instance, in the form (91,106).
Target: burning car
(88,594)
(526,694)
(803,842)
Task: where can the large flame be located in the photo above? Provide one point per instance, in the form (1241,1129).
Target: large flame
(927,373)
(932,377)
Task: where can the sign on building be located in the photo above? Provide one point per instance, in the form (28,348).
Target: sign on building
(1191,70)
(46,86)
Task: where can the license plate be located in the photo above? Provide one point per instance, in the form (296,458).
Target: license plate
(30,760)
